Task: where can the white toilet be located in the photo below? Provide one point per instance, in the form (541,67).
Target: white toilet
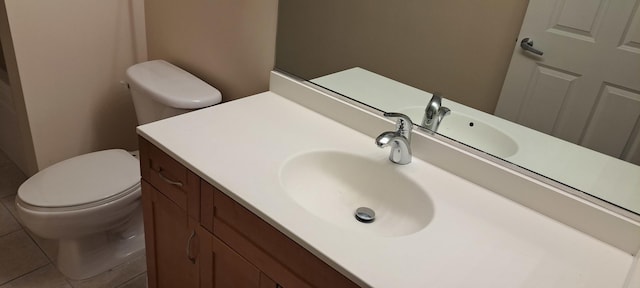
(91,203)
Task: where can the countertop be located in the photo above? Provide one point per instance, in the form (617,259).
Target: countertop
(475,239)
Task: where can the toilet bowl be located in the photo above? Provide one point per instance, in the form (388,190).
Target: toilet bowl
(91,203)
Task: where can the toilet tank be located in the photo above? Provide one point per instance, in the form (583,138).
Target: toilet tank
(160,90)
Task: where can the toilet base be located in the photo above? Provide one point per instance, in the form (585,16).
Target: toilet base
(91,255)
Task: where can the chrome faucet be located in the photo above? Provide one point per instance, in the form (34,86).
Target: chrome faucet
(400,140)
(434,113)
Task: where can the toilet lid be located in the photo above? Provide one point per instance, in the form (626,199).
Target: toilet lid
(81,180)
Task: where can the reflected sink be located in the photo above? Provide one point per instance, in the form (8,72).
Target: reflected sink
(475,133)
(332,185)
(478,134)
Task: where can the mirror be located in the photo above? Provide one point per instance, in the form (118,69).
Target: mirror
(393,55)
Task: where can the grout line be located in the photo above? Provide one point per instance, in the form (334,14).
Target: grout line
(38,245)
(12,210)
(14,232)
(24,275)
(20,227)
(10,232)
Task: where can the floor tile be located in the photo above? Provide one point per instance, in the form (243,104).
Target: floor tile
(48,246)
(11,179)
(116,276)
(139,281)
(19,255)
(45,277)
(4,159)
(8,223)
(9,203)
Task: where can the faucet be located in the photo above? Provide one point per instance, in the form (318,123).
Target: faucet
(400,140)
(434,113)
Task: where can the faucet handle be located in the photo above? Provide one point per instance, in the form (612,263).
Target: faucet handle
(403,123)
(444,111)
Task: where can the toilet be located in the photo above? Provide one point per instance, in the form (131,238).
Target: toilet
(91,203)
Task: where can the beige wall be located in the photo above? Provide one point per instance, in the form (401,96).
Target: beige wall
(230,44)
(15,134)
(458,47)
(67,57)
(70,56)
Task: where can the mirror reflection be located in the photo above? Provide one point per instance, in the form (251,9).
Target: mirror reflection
(501,96)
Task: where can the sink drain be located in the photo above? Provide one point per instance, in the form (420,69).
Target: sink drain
(365,215)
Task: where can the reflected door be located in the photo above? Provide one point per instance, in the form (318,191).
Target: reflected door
(585,88)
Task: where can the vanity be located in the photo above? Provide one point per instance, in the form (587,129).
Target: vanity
(261,192)
(183,210)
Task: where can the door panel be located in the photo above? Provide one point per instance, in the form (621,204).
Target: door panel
(577,18)
(631,38)
(614,121)
(591,58)
(548,89)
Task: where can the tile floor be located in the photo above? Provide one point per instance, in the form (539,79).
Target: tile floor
(28,261)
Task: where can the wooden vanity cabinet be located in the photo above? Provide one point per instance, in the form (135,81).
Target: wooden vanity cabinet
(196,236)
(171,209)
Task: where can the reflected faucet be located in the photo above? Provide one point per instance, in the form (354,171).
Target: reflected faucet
(434,113)
(400,140)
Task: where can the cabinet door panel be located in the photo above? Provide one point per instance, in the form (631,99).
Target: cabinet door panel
(167,235)
(269,249)
(259,257)
(224,268)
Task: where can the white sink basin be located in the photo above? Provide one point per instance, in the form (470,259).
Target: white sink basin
(470,131)
(477,134)
(332,185)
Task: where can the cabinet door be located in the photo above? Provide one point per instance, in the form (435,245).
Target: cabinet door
(171,241)
(221,267)
(269,249)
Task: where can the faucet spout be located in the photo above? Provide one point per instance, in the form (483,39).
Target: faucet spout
(434,113)
(384,139)
(399,140)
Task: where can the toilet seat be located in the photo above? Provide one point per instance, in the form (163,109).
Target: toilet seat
(81,182)
(134,189)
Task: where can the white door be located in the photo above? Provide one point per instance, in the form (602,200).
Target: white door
(585,88)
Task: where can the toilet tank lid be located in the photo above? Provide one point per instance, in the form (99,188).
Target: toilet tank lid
(82,180)
(172,86)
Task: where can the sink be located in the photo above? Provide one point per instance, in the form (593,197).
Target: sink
(332,185)
(470,131)
(478,134)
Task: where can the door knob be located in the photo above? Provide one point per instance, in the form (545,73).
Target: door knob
(527,45)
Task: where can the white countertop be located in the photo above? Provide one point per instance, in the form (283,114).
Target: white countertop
(476,238)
